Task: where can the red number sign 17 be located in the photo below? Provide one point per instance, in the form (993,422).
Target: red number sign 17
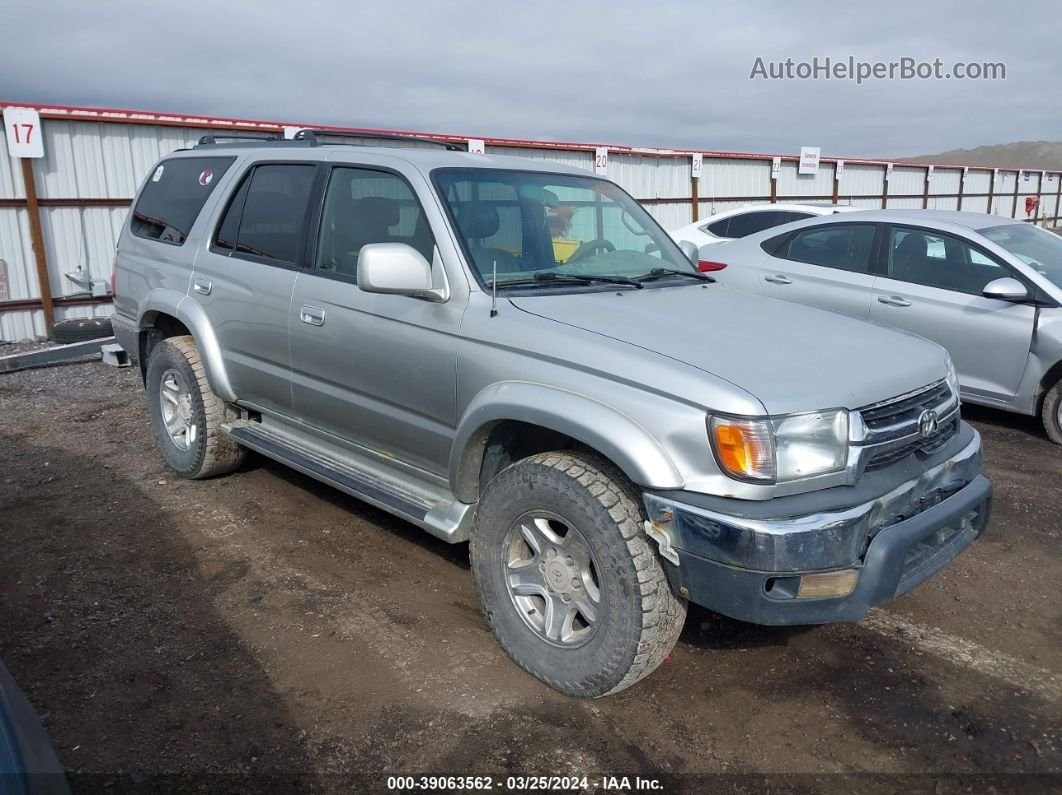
(26,129)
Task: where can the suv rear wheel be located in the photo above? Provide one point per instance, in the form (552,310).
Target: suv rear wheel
(186,416)
(570,586)
(1051,413)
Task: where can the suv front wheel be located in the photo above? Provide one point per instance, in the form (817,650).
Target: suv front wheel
(186,416)
(570,586)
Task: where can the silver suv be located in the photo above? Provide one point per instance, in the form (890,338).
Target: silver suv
(513,353)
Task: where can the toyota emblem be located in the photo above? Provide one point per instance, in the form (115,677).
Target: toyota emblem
(927,423)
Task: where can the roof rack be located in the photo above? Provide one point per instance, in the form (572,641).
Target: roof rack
(311,136)
(212,139)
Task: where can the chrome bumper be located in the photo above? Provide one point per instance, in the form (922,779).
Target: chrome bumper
(814,541)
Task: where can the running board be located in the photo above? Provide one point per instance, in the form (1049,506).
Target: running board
(439,514)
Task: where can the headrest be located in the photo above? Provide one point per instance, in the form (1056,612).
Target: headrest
(477,219)
(913,245)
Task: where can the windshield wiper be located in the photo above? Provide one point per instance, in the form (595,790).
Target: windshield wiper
(657,273)
(585,278)
(551,277)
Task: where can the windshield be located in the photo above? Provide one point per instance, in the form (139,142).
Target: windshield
(539,229)
(1036,247)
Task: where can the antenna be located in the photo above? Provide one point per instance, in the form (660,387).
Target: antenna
(494,290)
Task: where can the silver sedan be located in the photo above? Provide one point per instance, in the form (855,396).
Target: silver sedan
(989,289)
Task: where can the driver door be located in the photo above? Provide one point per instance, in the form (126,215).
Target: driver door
(377,372)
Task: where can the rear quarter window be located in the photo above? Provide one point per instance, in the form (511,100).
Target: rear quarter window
(174,195)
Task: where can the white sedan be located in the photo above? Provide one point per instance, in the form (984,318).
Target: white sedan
(733,224)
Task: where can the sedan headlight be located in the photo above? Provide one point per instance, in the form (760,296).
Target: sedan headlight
(776,449)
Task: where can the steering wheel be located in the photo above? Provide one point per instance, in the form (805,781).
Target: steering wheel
(589,248)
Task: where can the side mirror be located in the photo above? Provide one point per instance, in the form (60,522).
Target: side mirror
(689,248)
(1005,289)
(394,268)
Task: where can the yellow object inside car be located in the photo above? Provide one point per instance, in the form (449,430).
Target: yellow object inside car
(562,249)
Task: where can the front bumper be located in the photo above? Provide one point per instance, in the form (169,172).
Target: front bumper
(750,568)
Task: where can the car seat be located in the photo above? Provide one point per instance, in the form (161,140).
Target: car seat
(477,221)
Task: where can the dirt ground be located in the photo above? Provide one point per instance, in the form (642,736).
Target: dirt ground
(263,632)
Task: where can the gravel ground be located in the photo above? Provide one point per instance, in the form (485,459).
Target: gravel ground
(261,631)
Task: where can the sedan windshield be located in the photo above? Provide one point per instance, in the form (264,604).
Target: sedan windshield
(1036,247)
(537,230)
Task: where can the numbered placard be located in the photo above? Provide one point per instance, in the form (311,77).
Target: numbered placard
(601,161)
(22,127)
(696,165)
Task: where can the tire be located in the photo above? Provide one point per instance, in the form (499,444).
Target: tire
(584,501)
(197,448)
(1051,413)
(81,330)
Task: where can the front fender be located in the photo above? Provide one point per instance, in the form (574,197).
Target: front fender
(615,435)
(191,314)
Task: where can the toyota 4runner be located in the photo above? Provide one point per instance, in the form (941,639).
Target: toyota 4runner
(513,353)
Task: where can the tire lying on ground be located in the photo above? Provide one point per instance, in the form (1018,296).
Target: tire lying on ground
(81,330)
(186,415)
(571,587)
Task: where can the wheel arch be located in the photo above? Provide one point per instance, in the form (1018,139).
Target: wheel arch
(1050,378)
(167,314)
(520,417)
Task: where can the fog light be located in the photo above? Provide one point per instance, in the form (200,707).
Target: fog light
(831,583)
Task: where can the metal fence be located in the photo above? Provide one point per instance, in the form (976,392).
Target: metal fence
(64,211)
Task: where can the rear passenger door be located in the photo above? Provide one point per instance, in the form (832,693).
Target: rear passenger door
(378,372)
(931,286)
(244,279)
(829,266)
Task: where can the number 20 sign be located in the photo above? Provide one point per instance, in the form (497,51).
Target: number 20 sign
(22,128)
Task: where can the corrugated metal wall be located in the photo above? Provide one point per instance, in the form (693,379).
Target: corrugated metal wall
(83,161)
(94,162)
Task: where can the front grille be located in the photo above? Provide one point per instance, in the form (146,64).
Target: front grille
(906,408)
(926,445)
(892,426)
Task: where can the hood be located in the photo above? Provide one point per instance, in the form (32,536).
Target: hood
(792,358)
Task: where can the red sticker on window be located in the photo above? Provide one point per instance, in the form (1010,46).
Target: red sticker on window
(206,177)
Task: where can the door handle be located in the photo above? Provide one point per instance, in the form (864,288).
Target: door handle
(313,315)
(202,286)
(778,279)
(893,300)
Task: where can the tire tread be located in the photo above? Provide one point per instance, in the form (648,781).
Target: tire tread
(1049,410)
(221,452)
(662,612)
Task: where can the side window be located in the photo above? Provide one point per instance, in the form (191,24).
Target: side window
(844,247)
(752,222)
(797,216)
(719,228)
(265,216)
(173,196)
(934,259)
(362,207)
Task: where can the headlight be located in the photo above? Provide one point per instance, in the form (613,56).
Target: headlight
(777,449)
(953,378)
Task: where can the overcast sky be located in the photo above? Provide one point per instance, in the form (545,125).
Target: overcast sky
(667,74)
